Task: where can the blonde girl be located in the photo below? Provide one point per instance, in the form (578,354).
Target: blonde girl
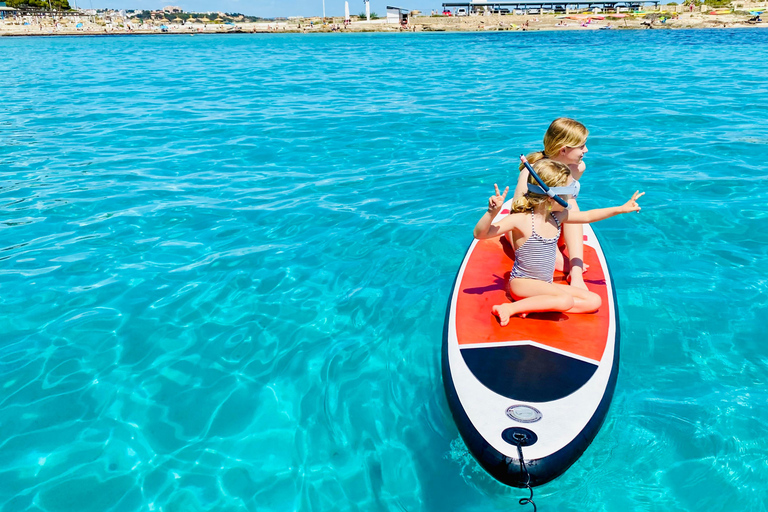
(566,142)
(533,227)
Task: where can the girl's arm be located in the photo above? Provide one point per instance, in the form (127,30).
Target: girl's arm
(578,171)
(585,217)
(485,227)
(522,184)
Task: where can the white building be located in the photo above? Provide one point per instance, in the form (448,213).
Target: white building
(397,14)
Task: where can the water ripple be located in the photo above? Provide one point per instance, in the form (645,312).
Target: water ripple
(224,275)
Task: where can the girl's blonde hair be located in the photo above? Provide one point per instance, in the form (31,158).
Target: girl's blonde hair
(562,133)
(554,174)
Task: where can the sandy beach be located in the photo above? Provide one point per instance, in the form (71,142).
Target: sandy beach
(667,17)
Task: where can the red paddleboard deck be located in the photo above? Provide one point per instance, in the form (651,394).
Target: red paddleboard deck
(544,382)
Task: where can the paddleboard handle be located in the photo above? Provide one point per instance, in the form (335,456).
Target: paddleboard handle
(562,202)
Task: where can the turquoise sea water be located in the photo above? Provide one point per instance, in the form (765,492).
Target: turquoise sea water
(225,262)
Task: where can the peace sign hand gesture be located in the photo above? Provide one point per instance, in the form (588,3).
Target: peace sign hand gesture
(495,202)
(631,205)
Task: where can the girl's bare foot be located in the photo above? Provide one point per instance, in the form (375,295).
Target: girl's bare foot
(563,264)
(504,312)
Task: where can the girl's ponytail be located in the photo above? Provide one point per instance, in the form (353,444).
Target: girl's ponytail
(521,204)
(533,158)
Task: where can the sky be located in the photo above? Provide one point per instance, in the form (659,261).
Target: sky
(264,8)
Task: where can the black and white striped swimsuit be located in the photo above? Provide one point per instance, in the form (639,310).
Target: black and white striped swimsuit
(535,259)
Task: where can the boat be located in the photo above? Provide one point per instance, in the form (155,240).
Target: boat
(527,398)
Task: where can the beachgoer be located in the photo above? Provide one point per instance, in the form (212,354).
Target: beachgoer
(566,142)
(534,225)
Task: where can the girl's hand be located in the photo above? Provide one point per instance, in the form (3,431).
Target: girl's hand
(631,205)
(495,202)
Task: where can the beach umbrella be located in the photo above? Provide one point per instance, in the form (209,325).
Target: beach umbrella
(346,11)
(79,25)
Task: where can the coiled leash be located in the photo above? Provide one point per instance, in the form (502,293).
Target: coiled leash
(524,501)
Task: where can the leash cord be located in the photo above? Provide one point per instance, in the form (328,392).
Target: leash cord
(524,470)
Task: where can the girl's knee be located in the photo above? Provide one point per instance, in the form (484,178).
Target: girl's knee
(565,302)
(593,302)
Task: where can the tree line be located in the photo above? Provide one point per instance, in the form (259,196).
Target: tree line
(39,5)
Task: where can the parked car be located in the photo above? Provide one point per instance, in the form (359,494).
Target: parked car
(461,11)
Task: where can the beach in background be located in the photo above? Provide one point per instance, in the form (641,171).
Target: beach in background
(664,17)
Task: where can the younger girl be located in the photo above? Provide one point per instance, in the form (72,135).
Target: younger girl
(534,228)
(566,142)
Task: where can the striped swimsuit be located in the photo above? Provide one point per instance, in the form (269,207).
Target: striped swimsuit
(535,259)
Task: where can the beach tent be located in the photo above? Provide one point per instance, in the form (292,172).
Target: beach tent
(4,9)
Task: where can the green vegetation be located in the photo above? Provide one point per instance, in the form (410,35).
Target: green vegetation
(374,16)
(44,5)
(721,4)
(191,16)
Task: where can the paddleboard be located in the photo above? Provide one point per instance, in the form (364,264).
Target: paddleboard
(540,386)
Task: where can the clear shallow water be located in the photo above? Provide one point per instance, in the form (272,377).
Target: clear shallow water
(225,261)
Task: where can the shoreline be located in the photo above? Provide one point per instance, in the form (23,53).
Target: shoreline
(546,22)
